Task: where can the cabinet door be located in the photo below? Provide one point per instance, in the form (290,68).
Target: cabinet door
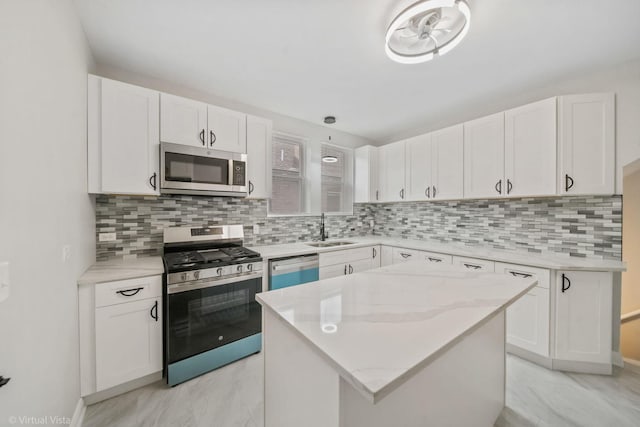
(227,129)
(258,143)
(129,142)
(587,144)
(484,157)
(329,271)
(392,169)
(418,163)
(405,255)
(474,264)
(366,174)
(376,256)
(183,121)
(360,265)
(583,316)
(530,149)
(447,163)
(528,322)
(128,341)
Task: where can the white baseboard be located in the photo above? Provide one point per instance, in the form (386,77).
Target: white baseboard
(632,365)
(78,414)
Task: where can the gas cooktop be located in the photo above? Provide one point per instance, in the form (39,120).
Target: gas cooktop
(208,258)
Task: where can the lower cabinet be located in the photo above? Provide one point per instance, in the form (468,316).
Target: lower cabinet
(583,321)
(528,317)
(474,264)
(437,258)
(120,332)
(339,263)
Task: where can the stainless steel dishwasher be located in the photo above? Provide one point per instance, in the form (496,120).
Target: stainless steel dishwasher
(292,271)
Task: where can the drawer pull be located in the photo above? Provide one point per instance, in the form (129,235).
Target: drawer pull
(405,255)
(154,311)
(434,259)
(129,292)
(350,269)
(475,267)
(523,275)
(565,279)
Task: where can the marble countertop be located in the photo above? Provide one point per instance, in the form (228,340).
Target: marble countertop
(119,269)
(379,327)
(550,260)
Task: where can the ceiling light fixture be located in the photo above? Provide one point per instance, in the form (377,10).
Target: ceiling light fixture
(329,158)
(426,29)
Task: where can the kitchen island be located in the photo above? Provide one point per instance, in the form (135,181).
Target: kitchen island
(409,344)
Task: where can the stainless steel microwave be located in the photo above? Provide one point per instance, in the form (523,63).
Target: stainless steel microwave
(185,169)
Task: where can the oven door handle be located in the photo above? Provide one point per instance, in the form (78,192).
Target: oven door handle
(210,283)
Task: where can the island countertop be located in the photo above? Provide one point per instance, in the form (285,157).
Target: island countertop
(379,327)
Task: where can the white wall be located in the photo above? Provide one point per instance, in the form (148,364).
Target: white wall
(43,204)
(314,132)
(622,79)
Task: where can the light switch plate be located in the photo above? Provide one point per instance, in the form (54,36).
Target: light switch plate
(4,281)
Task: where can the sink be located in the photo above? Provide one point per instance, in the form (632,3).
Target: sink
(328,244)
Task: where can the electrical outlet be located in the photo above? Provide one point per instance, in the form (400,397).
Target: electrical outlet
(107,237)
(66,253)
(4,281)
(256,229)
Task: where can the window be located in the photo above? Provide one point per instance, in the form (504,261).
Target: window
(287,175)
(302,184)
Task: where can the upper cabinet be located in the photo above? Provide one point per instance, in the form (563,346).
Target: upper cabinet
(418,167)
(586,140)
(447,163)
(530,149)
(484,157)
(189,122)
(258,142)
(123,140)
(366,170)
(392,171)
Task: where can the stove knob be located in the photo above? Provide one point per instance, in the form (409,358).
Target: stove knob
(239,268)
(183,277)
(219,271)
(249,267)
(196,275)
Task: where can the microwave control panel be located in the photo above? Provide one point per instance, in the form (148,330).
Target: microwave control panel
(239,173)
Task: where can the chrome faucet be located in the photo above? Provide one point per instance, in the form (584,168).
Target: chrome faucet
(323,234)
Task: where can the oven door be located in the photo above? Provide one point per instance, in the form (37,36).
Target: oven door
(195,170)
(205,314)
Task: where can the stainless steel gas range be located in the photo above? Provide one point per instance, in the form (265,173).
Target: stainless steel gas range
(211,315)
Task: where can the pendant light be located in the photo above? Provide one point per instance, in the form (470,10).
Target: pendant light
(328,158)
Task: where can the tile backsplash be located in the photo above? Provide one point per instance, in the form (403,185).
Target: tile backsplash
(573,226)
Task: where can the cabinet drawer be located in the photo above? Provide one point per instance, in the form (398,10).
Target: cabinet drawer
(474,264)
(404,255)
(345,256)
(128,290)
(543,275)
(437,258)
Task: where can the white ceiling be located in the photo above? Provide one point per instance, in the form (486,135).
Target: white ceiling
(308,59)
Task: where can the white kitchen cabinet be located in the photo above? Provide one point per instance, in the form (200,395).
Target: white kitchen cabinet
(447,169)
(484,157)
(583,316)
(586,132)
(530,149)
(120,333)
(392,171)
(227,129)
(405,255)
(528,317)
(123,141)
(474,264)
(376,259)
(259,132)
(386,256)
(366,184)
(183,121)
(189,122)
(348,261)
(418,167)
(436,258)
(128,341)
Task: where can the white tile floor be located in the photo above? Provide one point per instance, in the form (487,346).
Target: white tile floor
(232,396)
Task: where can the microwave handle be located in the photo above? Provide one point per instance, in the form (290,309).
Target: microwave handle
(230,181)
